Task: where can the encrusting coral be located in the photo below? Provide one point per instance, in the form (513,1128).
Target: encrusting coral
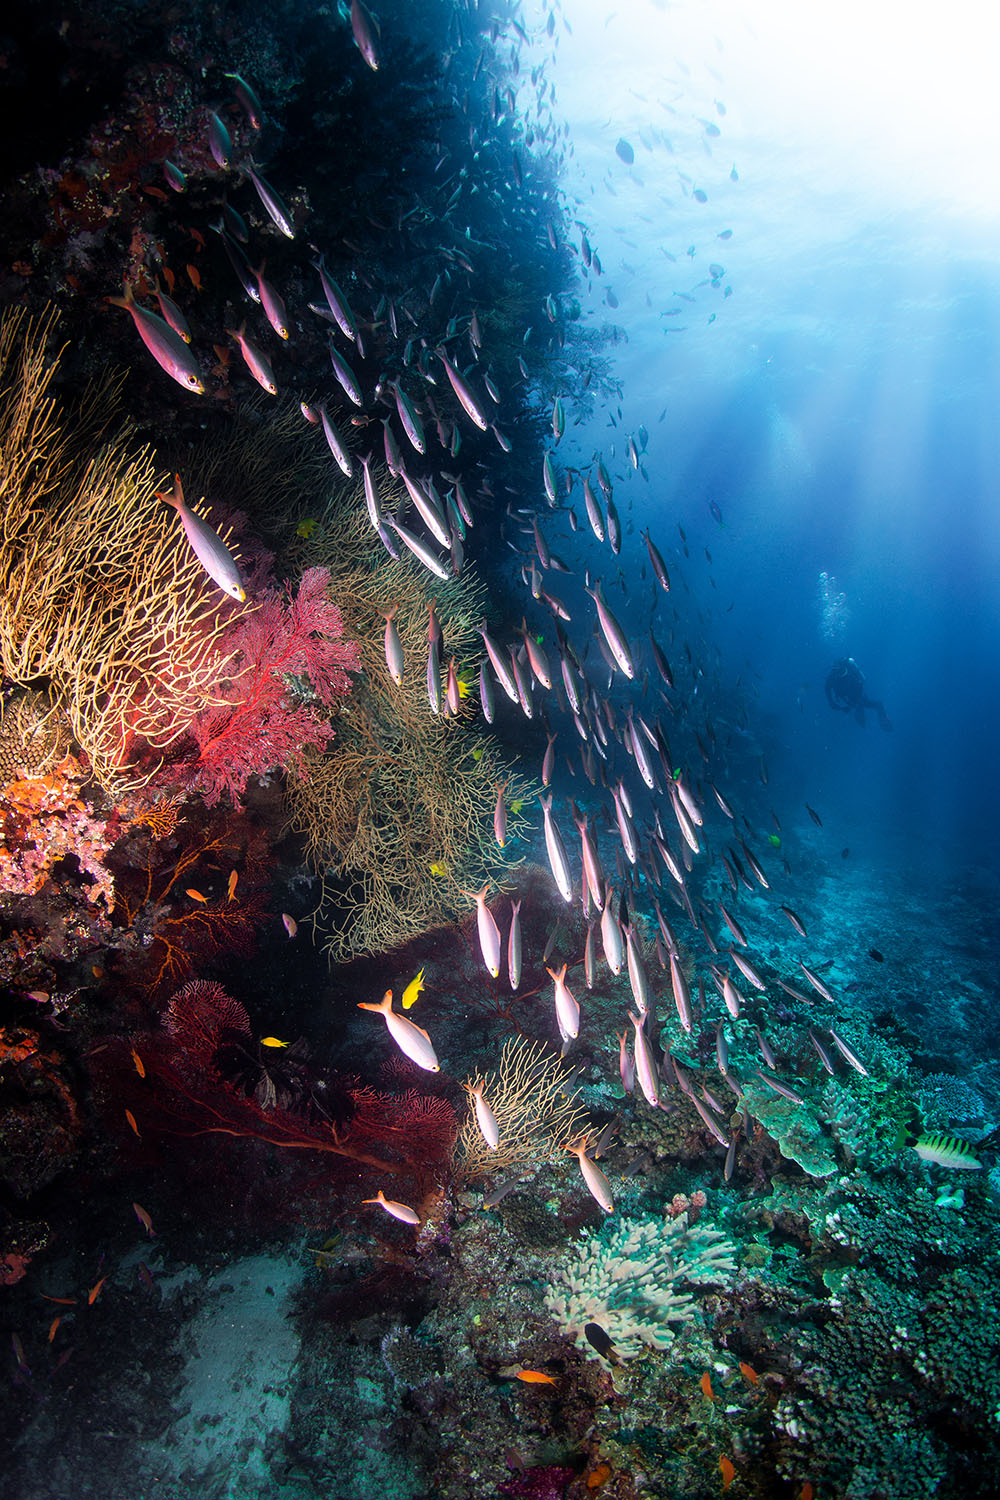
(42,820)
(626,1279)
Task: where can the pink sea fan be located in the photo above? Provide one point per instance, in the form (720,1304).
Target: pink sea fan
(288,663)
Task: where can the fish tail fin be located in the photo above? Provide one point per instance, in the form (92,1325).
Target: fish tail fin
(174,497)
(127,300)
(384,1005)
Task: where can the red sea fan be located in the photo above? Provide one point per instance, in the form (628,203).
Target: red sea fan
(199,1013)
(290,662)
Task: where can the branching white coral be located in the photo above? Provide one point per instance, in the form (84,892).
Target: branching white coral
(627,1278)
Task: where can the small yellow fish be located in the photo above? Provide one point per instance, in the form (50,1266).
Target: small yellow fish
(436,868)
(413,990)
(477,753)
(517,804)
(306,528)
(233,877)
(272,1041)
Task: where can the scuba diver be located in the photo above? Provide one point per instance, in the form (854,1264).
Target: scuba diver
(845,691)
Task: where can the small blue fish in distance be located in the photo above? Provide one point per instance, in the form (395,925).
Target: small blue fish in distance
(251,105)
(211,551)
(219,141)
(173,176)
(172,313)
(167,347)
(271,201)
(363,28)
(256,361)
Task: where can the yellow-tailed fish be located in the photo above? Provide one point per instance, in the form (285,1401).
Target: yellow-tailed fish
(400,1211)
(272,1041)
(409,1038)
(209,548)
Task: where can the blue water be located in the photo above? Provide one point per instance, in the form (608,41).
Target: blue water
(839,407)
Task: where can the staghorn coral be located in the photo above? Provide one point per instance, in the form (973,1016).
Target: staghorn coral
(535,1115)
(626,1278)
(100,595)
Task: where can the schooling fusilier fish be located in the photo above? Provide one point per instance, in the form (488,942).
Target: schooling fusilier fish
(211,551)
(164,344)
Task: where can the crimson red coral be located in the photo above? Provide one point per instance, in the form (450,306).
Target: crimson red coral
(199,1013)
(290,662)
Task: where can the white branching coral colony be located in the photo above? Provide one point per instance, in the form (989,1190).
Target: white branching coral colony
(626,1278)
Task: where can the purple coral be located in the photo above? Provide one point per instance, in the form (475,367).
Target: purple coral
(547,1482)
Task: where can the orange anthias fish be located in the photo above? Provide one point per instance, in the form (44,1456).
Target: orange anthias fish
(706,1385)
(95,1291)
(194,277)
(534,1377)
(231,888)
(144,1219)
(52,1328)
(130,1117)
(196,895)
(749,1373)
(139,1065)
(169,278)
(807,1491)
(728,1471)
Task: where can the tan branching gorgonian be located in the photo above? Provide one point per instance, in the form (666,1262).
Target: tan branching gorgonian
(398,814)
(537,1118)
(100,593)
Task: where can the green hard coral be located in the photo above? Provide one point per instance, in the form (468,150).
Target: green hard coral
(630,1279)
